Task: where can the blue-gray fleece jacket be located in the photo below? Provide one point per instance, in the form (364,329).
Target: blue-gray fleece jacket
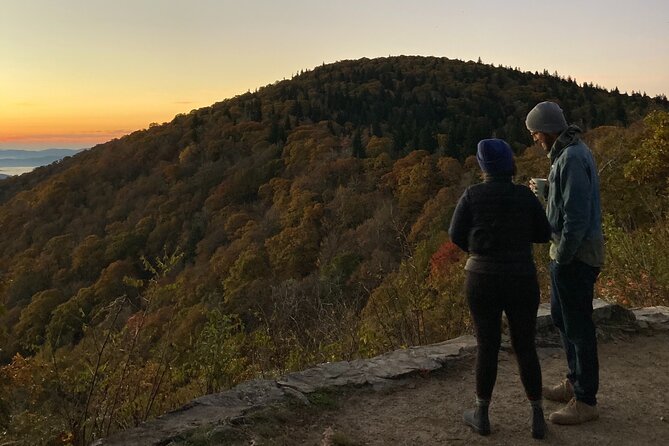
(573,203)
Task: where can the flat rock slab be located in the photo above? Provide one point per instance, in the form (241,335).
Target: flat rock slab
(206,410)
(390,365)
(603,313)
(656,318)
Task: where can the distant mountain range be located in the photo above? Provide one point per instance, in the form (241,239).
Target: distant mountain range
(16,162)
(33,158)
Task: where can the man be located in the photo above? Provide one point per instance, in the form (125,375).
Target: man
(577,254)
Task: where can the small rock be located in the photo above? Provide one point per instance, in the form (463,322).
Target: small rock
(327,437)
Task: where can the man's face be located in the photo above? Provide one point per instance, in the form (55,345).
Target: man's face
(543,139)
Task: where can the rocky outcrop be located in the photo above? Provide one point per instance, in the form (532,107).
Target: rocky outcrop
(656,318)
(234,403)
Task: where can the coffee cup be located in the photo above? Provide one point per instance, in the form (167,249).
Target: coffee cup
(538,186)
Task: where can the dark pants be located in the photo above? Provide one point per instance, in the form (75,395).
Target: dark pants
(518,296)
(571,309)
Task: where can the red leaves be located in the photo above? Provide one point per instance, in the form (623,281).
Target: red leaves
(442,261)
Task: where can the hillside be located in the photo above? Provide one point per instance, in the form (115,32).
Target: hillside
(301,223)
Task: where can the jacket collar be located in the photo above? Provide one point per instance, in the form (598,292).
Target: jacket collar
(569,137)
(487,178)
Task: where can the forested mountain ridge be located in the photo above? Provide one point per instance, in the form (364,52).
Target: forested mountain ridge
(300,223)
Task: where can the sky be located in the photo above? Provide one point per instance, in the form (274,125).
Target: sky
(75,73)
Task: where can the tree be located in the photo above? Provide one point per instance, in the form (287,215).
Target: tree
(35,317)
(252,264)
(293,252)
(650,161)
(357,148)
(378,145)
(413,179)
(218,357)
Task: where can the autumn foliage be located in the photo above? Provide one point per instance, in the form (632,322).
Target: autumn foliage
(445,259)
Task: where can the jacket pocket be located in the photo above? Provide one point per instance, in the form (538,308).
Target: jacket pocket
(481,240)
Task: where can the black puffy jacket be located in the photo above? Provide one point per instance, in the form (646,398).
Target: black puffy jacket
(497,222)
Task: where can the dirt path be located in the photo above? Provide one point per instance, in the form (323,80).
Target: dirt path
(633,401)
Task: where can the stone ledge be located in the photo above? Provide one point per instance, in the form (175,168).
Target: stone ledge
(603,313)
(656,318)
(234,403)
(206,410)
(390,365)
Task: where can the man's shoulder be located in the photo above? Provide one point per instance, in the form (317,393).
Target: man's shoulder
(578,150)
(578,147)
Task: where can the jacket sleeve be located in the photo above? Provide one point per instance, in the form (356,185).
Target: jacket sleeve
(461,223)
(576,191)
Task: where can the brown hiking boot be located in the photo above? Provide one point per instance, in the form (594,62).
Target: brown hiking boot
(575,412)
(562,393)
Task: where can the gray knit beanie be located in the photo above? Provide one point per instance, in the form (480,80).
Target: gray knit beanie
(546,117)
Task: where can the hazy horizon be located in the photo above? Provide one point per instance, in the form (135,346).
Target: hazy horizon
(8,149)
(12,171)
(19,161)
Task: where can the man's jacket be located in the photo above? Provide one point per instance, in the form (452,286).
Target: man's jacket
(573,203)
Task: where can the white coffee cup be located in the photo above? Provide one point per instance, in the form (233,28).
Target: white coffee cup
(538,186)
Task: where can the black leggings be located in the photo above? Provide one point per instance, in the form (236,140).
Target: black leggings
(518,296)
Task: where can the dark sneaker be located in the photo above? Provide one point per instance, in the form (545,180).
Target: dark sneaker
(478,420)
(575,412)
(562,393)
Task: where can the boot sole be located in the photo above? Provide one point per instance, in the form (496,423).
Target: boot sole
(538,435)
(483,432)
(539,430)
(572,422)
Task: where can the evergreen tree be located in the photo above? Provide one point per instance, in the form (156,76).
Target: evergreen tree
(357,148)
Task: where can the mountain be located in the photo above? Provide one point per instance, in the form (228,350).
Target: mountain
(32,154)
(16,162)
(301,223)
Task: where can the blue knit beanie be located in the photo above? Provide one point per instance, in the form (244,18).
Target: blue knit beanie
(546,117)
(495,157)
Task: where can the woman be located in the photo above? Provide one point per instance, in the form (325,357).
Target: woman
(497,222)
